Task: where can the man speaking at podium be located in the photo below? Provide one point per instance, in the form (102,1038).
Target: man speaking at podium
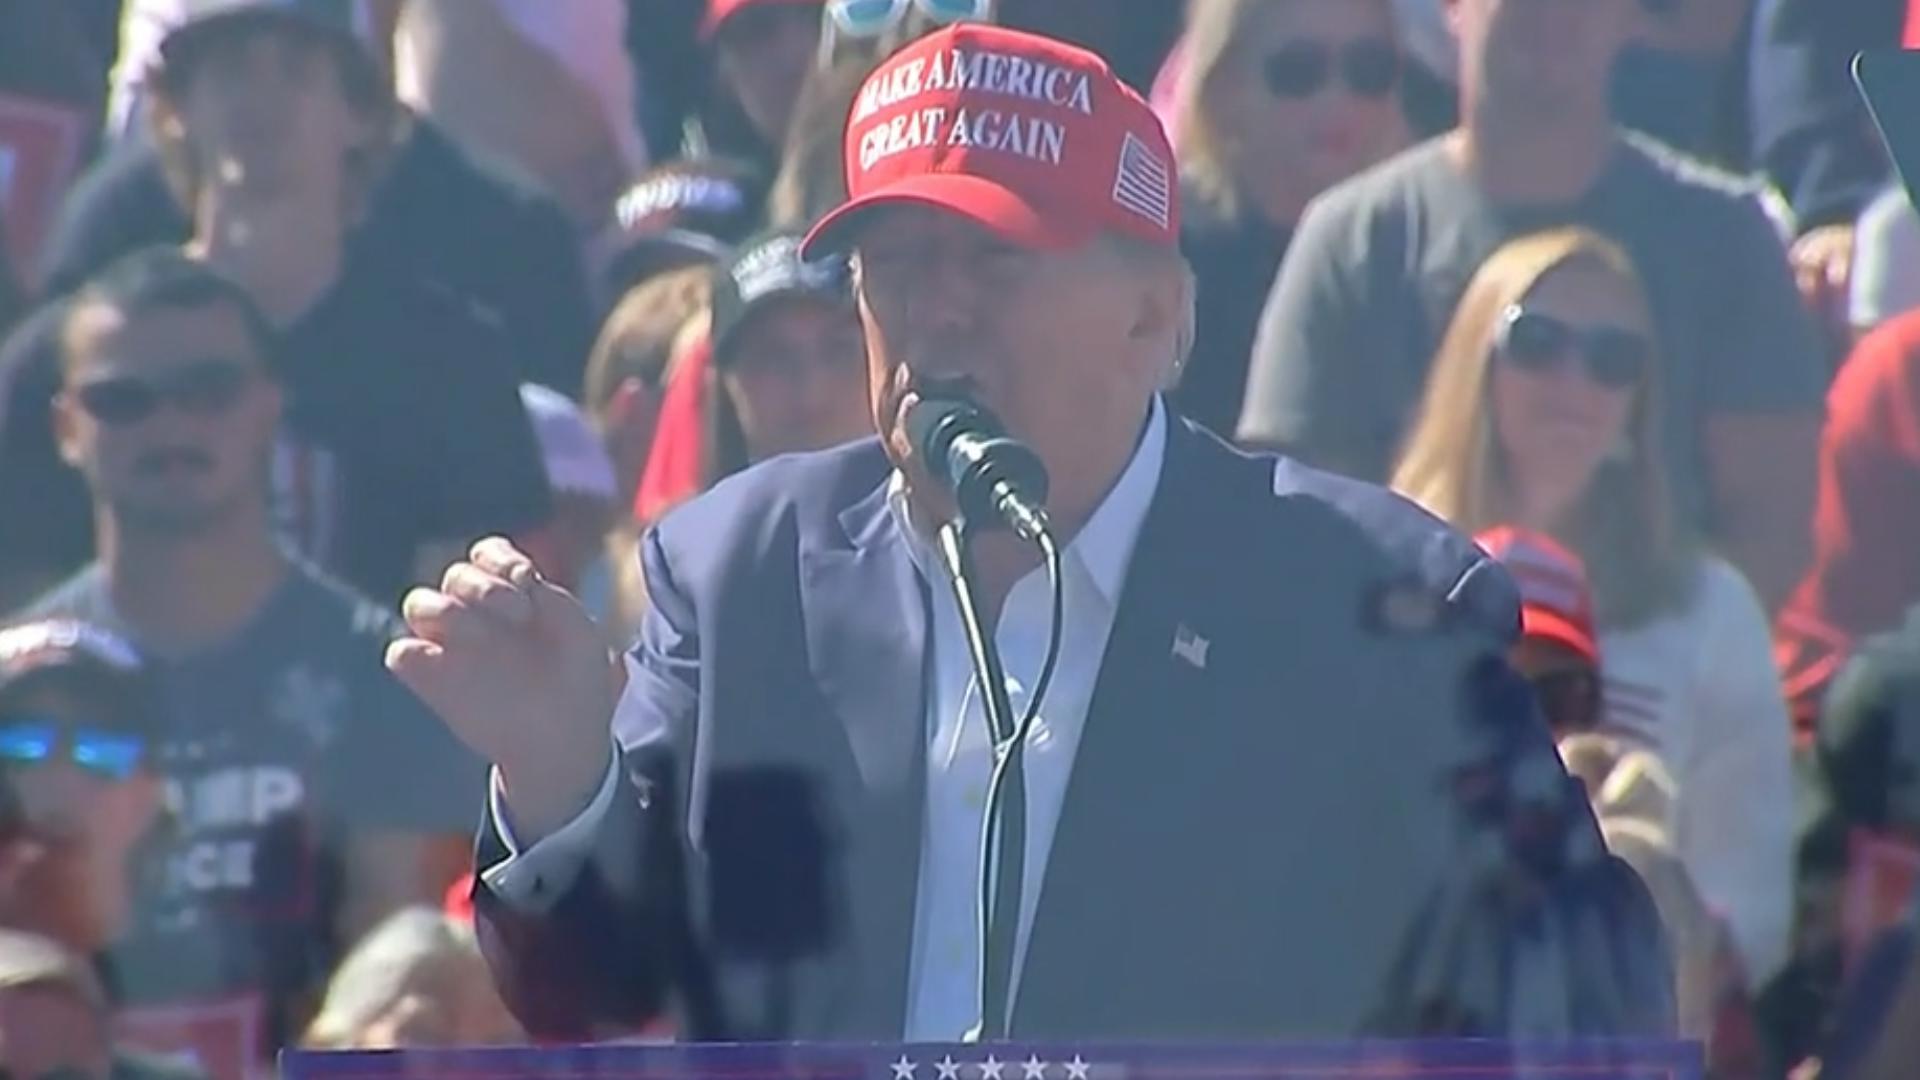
(1281,784)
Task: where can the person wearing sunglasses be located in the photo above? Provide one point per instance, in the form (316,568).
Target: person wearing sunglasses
(1543,413)
(1277,102)
(311,794)
(77,715)
(1379,261)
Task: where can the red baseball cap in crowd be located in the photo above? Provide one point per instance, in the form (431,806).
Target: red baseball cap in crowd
(1032,138)
(719,11)
(1555,601)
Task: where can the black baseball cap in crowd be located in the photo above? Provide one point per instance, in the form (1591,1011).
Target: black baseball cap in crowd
(81,658)
(765,270)
(208,23)
(684,213)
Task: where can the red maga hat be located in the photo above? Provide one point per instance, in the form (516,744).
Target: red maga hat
(1555,600)
(1032,138)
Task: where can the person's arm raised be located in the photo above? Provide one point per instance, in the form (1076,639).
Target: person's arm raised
(584,926)
(517,669)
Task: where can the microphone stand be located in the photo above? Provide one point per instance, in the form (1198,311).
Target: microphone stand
(1007,737)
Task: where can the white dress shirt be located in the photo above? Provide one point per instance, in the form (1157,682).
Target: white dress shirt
(943,988)
(942,992)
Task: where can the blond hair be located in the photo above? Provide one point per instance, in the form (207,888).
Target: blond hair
(412,949)
(1214,28)
(639,338)
(1640,560)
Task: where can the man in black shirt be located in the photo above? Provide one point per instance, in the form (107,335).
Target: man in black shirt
(400,391)
(432,212)
(311,794)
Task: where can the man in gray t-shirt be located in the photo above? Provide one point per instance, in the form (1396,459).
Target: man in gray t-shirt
(309,793)
(1369,285)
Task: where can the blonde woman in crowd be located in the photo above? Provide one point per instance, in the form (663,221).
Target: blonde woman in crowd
(416,980)
(1278,101)
(1541,413)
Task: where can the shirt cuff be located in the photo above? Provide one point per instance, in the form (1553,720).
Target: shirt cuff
(533,879)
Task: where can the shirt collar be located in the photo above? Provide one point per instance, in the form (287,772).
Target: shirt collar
(1104,546)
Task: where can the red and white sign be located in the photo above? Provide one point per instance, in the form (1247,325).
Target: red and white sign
(40,144)
(1881,874)
(221,1038)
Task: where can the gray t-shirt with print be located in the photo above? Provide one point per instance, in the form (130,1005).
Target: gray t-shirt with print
(1379,262)
(276,747)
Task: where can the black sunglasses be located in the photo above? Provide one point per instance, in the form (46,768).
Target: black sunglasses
(1613,358)
(1370,68)
(205,389)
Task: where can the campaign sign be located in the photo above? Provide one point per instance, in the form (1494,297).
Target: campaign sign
(1449,1060)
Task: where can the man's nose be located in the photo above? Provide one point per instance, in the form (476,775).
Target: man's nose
(57,793)
(944,294)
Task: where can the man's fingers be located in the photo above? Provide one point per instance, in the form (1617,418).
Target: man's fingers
(416,663)
(438,618)
(488,593)
(497,556)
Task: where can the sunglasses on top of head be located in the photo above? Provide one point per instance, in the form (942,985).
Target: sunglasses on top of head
(1614,358)
(1369,68)
(204,389)
(111,755)
(873,18)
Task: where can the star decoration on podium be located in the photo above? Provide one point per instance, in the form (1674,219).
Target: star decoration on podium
(992,1068)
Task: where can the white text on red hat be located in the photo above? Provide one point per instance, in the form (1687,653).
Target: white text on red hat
(986,72)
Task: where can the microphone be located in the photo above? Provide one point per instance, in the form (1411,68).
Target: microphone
(995,478)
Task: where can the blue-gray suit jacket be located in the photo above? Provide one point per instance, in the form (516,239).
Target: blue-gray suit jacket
(1348,821)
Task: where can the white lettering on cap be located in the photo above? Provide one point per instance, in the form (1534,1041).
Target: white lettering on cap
(904,131)
(776,265)
(954,70)
(1010,133)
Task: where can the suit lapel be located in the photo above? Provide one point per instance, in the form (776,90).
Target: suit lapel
(866,626)
(1155,673)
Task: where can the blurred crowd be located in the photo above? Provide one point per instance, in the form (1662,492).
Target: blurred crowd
(301,297)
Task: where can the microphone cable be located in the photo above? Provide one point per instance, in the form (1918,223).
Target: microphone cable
(1002,852)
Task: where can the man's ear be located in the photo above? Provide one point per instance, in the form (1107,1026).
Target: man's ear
(1165,315)
(1451,9)
(274,405)
(67,424)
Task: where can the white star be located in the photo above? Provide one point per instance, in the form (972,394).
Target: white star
(1034,1069)
(990,1068)
(903,1069)
(1076,1069)
(948,1070)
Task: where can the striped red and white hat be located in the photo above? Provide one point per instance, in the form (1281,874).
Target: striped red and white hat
(1556,603)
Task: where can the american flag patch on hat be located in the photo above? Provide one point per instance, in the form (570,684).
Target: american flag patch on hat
(1144,183)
